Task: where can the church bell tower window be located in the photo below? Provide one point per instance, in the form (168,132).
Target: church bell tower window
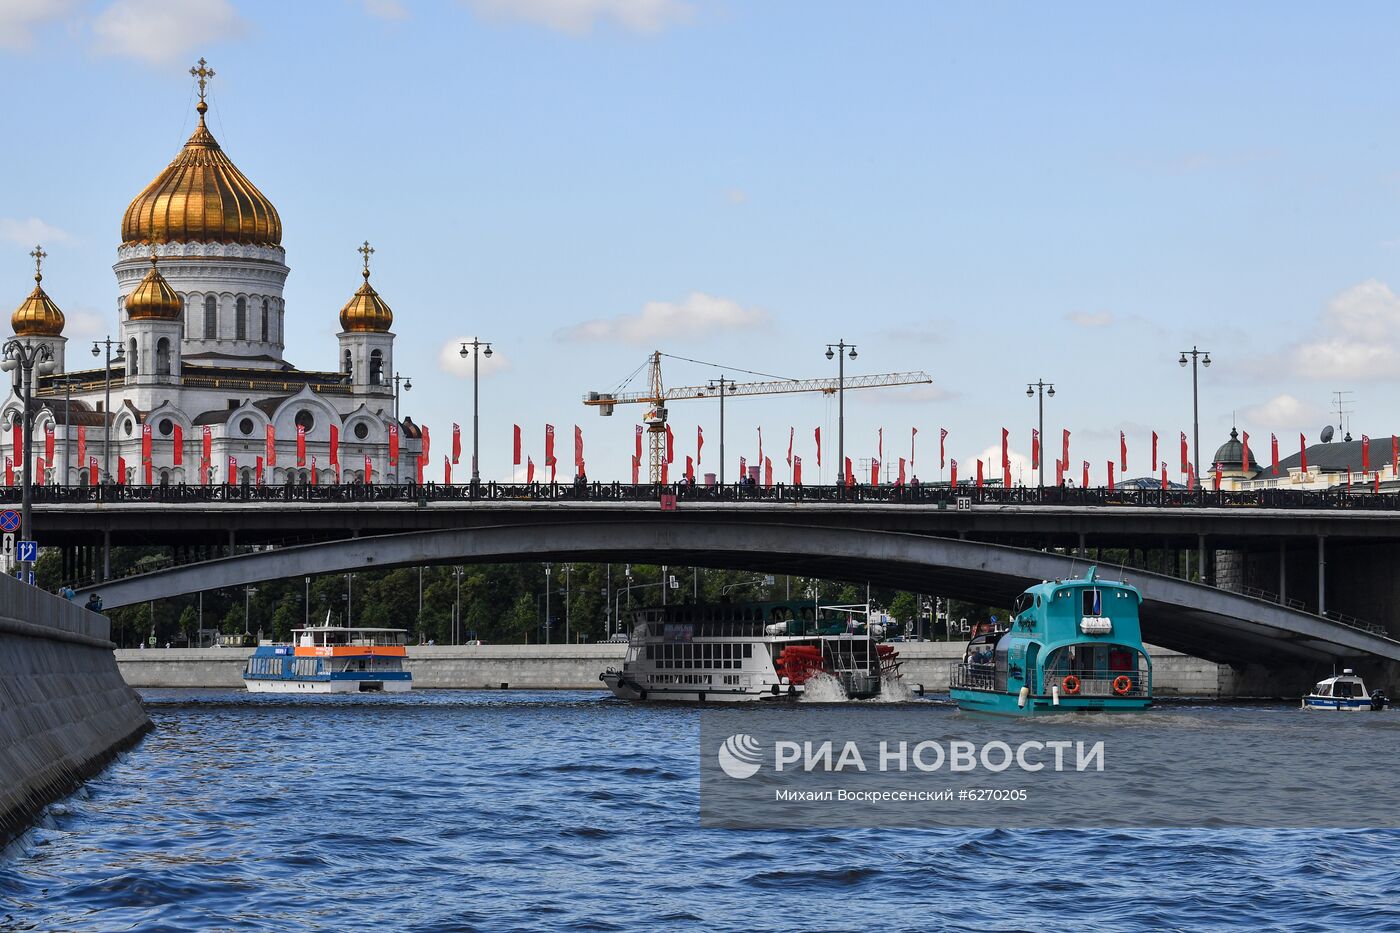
(211,317)
(163,357)
(264,320)
(376,368)
(240,319)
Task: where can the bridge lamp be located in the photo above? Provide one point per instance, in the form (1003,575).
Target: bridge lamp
(478,346)
(835,351)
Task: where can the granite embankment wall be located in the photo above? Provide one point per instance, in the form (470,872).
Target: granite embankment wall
(65,710)
(576,667)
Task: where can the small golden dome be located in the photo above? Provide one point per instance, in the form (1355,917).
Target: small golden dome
(38,316)
(201,197)
(154,299)
(366,312)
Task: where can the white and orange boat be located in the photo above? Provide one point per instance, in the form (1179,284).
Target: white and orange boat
(332,659)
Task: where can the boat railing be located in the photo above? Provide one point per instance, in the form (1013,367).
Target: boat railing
(1097,682)
(966,676)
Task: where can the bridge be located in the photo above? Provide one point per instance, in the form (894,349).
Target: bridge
(1200,620)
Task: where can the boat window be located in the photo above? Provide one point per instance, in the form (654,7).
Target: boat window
(747,650)
(1324,690)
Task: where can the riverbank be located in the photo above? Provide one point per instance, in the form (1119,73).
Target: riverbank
(576,667)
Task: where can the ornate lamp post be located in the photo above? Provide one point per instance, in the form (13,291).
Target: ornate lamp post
(836,350)
(476,353)
(117,357)
(407,387)
(1042,388)
(26,357)
(1204,356)
(720,384)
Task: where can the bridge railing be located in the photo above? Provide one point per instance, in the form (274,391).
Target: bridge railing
(938,495)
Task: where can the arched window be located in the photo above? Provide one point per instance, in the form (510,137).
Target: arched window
(240,319)
(347,366)
(163,357)
(247,476)
(211,317)
(376,368)
(165,477)
(131,368)
(264,320)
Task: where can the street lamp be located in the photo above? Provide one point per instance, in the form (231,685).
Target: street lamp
(837,350)
(547,571)
(720,384)
(476,352)
(107,407)
(407,386)
(1204,357)
(1041,388)
(25,357)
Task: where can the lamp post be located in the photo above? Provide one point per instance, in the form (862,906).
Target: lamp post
(720,384)
(476,353)
(407,386)
(837,350)
(67,426)
(547,571)
(1204,357)
(25,357)
(107,406)
(1041,388)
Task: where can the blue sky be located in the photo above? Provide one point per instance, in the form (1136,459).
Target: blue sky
(993,193)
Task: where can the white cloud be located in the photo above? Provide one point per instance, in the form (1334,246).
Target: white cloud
(1090,318)
(1359,337)
(578,17)
(1284,411)
(700,315)
(161,32)
(19,19)
(450,359)
(386,9)
(1021,472)
(30,231)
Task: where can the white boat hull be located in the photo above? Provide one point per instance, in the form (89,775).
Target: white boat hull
(1338,704)
(325,686)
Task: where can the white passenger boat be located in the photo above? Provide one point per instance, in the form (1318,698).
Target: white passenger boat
(1344,692)
(331,659)
(735,653)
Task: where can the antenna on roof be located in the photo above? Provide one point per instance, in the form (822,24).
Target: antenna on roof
(1343,398)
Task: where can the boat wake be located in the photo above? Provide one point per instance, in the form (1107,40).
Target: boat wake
(824,688)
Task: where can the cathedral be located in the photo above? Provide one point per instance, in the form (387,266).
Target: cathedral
(196,389)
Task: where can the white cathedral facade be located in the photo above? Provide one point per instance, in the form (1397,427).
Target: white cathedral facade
(199,366)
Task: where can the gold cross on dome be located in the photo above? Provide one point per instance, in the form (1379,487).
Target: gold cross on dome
(203,74)
(365,251)
(39,256)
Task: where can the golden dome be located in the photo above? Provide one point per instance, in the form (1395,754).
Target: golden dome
(154,299)
(201,197)
(366,312)
(38,316)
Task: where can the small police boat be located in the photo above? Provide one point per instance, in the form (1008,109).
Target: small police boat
(331,659)
(1071,645)
(1344,692)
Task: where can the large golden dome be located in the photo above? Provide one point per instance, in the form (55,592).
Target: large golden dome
(366,312)
(38,316)
(154,299)
(201,197)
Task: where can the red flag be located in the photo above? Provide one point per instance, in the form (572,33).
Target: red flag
(1006,475)
(636,469)
(146,444)
(767,472)
(797,471)
(422,462)
(1154,448)
(457,443)
(529,469)
(1035,448)
(792,433)
(689,469)
(258,471)
(699,443)
(147,465)
(92,471)
(1378,481)
(553,471)
(1244,458)
(1005,457)
(953,476)
(1303,451)
(17,441)
(369,470)
(82,448)
(208,444)
(1110,476)
(335,448)
(121,471)
(743,468)
(1164,474)
(423,454)
(760,446)
(48,442)
(177,441)
(1190,476)
(1185,456)
(979,472)
(1395,455)
(911,447)
(204,472)
(850,473)
(638,452)
(1365,454)
(1085,484)
(271,445)
(338,478)
(665,473)
(313,471)
(942,440)
(549,445)
(301,446)
(1059,472)
(1123,451)
(446,470)
(515,446)
(393,445)
(901,471)
(1273,444)
(880,446)
(874,472)
(1217,477)
(9,471)
(819,447)
(1064,453)
(578,449)
(670,445)
(231,471)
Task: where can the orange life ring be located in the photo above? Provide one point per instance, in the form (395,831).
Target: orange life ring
(1070,684)
(1122,684)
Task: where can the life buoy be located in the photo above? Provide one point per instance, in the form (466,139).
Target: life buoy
(1122,684)
(1070,684)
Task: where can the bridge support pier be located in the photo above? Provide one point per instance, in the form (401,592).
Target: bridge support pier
(1321,575)
(1201,558)
(232,541)
(1083,550)
(106,554)
(1283,573)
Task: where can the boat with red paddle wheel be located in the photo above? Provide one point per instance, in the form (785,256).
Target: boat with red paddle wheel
(753,651)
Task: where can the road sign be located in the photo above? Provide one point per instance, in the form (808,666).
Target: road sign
(9,520)
(8,549)
(27,551)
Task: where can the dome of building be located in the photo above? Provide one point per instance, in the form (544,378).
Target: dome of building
(201,197)
(1230,455)
(154,299)
(38,316)
(366,312)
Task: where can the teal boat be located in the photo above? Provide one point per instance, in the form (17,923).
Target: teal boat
(1071,645)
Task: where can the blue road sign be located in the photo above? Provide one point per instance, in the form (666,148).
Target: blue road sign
(9,520)
(27,551)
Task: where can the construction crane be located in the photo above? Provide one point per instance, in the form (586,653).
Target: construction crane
(656,395)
